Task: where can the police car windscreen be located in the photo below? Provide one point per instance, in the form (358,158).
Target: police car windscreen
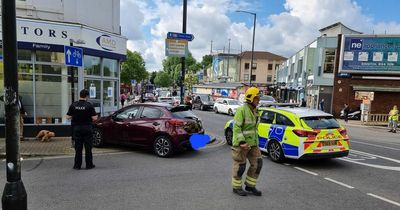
(321,122)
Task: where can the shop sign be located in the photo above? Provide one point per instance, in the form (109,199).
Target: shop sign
(359,95)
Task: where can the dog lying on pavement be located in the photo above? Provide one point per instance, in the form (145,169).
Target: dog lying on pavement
(45,135)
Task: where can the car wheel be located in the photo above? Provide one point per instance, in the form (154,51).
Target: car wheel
(275,151)
(216,110)
(163,146)
(230,112)
(229,136)
(201,107)
(98,140)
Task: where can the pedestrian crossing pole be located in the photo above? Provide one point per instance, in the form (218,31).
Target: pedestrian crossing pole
(14,194)
(183,58)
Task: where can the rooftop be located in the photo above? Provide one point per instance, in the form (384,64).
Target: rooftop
(262,55)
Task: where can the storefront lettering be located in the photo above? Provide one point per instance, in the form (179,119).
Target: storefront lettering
(106,42)
(40,32)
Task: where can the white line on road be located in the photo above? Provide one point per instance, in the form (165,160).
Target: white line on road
(286,164)
(384,199)
(369,154)
(339,183)
(305,170)
(375,145)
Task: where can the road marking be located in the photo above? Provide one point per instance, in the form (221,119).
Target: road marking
(286,164)
(305,170)
(375,145)
(369,154)
(339,183)
(384,199)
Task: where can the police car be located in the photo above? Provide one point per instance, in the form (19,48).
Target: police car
(298,133)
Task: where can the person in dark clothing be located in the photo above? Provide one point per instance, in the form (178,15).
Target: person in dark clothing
(346,111)
(188,102)
(82,114)
(321,105)
(303,103)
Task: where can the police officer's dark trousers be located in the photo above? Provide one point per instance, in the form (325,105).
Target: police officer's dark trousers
(83,136)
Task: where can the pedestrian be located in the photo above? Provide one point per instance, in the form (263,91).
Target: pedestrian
(393,119)
(188,102)
(346,111)
(82,114)
(303,103)
(321,104)
(245,144)
(123,98)
(22,115)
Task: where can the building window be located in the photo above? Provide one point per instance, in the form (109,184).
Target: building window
(253,77)
(51,57)
(91,65)
(25,91)
(246,77)
(269,78)
(329,63)
(270,66)
(110,67)
(110,93)
(24,55)
(254,66)
(246,65)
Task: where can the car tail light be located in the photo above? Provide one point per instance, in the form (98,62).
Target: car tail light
(303,133)
(177,122)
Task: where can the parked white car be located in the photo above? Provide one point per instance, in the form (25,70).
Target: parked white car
(226,105)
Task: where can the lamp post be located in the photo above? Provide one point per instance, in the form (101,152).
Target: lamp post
(184,18)
(71,69)
(252,45)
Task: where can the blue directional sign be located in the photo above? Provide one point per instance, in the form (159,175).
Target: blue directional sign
(73,56)
(174,35)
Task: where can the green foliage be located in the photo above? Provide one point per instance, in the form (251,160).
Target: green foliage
(190,80)
(133,68)
(172,65)
(207,61)
(163,79)
(152,77)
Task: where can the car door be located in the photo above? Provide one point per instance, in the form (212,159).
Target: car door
(146,125)
(283,126)
(121,121)
(224,106)
(267,118)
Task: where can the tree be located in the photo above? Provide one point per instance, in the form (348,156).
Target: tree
(152,77)
(190,80)
(172,65)
(207,61)
(163,79)
(133,68)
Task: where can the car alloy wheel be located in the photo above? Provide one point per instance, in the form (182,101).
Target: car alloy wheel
(163,146)
(229,136)
(97,138)
(275,151)
(230,112)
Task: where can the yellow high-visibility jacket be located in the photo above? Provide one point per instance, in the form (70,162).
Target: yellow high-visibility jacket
(245,125)
(394,114)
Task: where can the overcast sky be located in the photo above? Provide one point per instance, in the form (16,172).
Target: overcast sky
(283,26)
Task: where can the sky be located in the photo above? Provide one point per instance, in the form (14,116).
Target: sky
(283,27)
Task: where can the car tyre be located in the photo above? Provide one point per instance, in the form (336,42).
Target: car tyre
(229,136)
(275,151)
(230,112)
(163,146)
(216,110)
(98,140)
(201,107)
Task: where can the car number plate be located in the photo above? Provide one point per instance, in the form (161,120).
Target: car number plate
(329,143)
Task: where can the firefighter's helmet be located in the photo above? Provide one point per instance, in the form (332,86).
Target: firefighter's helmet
(250,94)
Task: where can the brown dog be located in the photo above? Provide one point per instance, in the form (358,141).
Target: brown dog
(45,135)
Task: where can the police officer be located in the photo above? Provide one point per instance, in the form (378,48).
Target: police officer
(245,144)
(82,114)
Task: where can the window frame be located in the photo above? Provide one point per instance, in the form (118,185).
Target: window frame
(288,120)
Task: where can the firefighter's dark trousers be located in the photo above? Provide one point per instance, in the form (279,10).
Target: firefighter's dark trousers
(240,157)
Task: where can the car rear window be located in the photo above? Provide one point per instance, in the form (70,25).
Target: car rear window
(184,114)
(321,122)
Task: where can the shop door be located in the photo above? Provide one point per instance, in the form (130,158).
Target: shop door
(110,97)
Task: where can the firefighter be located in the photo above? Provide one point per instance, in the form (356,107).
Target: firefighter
(245,144)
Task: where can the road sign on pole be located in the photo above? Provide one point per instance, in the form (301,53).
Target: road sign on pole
(73,56)
(176,47)
(174,35)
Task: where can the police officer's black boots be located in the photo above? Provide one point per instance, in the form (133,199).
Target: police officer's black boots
(253,190)
(240,192)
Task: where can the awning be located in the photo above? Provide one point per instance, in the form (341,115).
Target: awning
(376,88)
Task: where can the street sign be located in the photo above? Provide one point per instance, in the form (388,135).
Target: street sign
(73,56)
(174,35)
(176,47)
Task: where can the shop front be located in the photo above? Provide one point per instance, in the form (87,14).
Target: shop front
(47,86)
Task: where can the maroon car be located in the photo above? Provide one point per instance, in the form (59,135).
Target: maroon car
(154,125)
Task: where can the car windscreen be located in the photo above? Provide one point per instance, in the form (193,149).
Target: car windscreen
(233,102)
(321,122)
(184,114)
(267,98)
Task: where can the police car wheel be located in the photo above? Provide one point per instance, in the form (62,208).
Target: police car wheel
(163,146)
(275,151)
(97,138)
(229,136)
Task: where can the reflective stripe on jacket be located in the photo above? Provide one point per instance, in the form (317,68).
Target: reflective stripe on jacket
(245,125)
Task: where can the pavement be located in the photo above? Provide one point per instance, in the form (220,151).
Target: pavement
(59,146)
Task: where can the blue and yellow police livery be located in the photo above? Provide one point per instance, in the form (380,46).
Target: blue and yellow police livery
(298,133)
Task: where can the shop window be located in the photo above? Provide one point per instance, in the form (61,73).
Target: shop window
(246,77)
(253,77)
(25,68)
(24,55)
(247,66)
(110,94)
(91,65)
(329,61)
(110,67)
(51,57)
(94,87)
(270,66)
(48,69)
(53,97)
